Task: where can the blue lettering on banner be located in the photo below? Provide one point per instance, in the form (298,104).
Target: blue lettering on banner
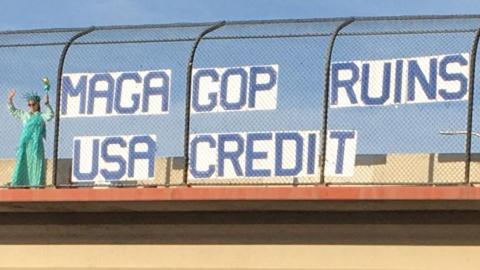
(115,93)
(439,78)
(341,149)
(114,158)
(269,154)
(234,89)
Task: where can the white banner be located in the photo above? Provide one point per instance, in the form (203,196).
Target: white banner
(269,154)
(439,78)
(115,93)
(247,88)
(101,159)
(341,153)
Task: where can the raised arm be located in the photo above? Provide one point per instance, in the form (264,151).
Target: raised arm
(48,114)
(17,113)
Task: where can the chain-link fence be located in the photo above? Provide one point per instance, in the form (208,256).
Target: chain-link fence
(321,101)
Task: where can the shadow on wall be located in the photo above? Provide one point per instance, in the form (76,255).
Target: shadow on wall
(339,228)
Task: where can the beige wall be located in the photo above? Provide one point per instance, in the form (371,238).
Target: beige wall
(349,257)
(409,169)
(177,246)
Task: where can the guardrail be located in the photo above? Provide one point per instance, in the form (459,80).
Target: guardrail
(284,102)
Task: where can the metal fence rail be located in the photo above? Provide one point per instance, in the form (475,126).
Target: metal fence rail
(370,100)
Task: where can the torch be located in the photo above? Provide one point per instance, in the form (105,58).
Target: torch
(46,84)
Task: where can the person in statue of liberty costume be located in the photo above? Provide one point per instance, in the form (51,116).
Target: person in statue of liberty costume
(30,157)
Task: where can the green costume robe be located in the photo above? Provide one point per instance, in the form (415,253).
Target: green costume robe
(30,164)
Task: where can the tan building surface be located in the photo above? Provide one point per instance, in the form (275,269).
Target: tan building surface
(235,241)
(241,228)
(250,232)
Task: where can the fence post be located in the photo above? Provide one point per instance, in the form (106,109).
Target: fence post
(471,85)
(186,143)
(58,100)
(326,95)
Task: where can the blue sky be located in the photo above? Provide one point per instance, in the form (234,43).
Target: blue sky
(23,14)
